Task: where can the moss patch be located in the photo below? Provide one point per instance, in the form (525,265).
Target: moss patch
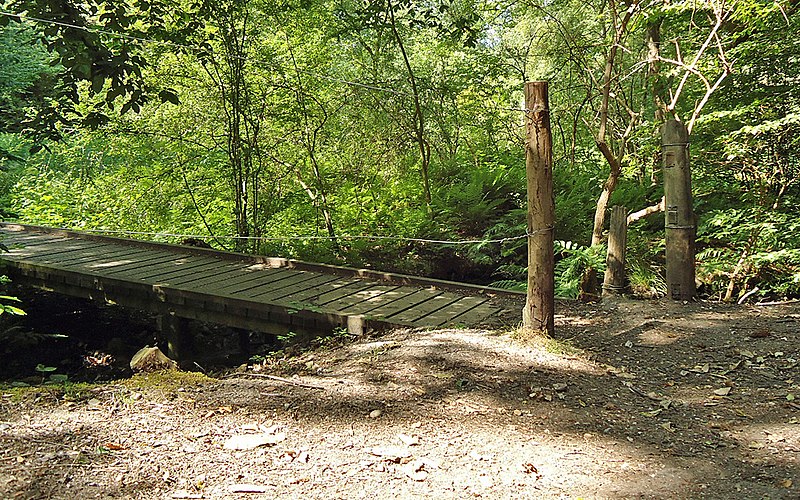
(168,380)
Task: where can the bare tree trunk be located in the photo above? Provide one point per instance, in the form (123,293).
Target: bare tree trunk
(419,118)
(589,289)
(538,313)
(653,38)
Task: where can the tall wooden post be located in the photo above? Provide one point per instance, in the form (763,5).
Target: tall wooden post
(537,315)
(679,216)
(614,279)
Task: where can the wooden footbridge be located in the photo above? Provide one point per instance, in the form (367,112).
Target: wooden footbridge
(246,292)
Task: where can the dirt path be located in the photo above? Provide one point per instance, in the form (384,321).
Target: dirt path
(634,400)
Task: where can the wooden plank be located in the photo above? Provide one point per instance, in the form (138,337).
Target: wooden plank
(417,296)
(191,268)
(151,258)
(447,314)
(110,263)
(274,292)
(226,272)
(53,256)
(370,299)
(89,254)
(44,251)
(413,314)
(27,235)
(210,283)
(178,263)
(311,291)
(474,315)
(281,283)
(211,287)
(342,293)
(32,241)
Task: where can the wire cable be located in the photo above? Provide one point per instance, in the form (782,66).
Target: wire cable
(309,238)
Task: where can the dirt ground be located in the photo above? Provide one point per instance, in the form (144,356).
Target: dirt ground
(632,399)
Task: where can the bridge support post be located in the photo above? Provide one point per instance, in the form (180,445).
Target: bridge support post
(244,340)
(175,330)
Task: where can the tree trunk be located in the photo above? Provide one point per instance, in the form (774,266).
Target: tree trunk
(589,289)
(419,117)
(539,308)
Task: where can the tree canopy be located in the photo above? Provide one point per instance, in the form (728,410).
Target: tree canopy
(302,126)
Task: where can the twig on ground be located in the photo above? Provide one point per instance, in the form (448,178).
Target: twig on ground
(277,379)
(778,303)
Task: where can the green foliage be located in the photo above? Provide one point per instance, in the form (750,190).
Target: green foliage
(8,308)
(574,260)
(745,248)
(317,119)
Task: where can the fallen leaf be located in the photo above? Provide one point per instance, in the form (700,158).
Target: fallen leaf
(786,483)
(652,413)
(723,391)
(756,445)
(668,426)
(250,441)
(408,440)
(114,446)
(415,470)
(391,453)
(529,468)
(790,397)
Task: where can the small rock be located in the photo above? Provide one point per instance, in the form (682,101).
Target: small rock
(250,441)
(151,359)
(408,440)
(375,414)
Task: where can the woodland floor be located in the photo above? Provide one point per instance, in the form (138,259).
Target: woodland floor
(633,399)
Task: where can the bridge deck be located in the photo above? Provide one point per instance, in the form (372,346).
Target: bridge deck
(257,293)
